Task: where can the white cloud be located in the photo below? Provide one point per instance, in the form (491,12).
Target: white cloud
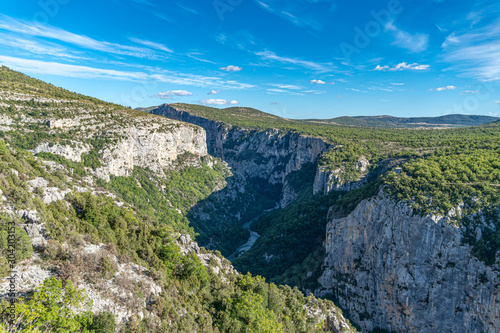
(315,92)
(317,82)
(375,88)
(304,14)
(414,43)
(285,86)
(397,84)
(218,101)
(475,53)
(150,44)
(189,10)
(41,30)
(402,66)
(67,70)
(317,67)
(496,102)
(274,91)
(444,88)
(231,68)
(40,48)
(474,17)
(213,92)
(169,94)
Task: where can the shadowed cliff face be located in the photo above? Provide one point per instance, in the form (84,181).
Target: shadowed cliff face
(398,271)
(260,161)
(391,268)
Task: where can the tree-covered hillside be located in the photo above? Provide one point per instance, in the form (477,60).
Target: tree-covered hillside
(449,172)
(448,121)
(103,244)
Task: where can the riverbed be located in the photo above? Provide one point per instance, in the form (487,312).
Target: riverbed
(253,235)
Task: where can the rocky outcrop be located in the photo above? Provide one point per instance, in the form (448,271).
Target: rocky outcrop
(327,180)
(214,130)
(72,151)
(398,271)
(153,145)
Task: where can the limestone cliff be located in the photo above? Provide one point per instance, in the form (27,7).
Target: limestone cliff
(119,139)
(327,180)
(270,154)
(402,272)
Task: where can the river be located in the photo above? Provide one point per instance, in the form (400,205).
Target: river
(253,235)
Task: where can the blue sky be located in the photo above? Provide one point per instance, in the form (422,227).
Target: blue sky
(292,58)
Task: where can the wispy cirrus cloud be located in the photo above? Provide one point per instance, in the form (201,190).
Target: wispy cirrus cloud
(314,66)
(40,47)
(313,14)
(35,29)
(414,43)
(171,93)
(475,53)
(285,86)
(87,72)
(219,101)
(188,10)
(377,88)
(315,92)
(402,66)
(151,44)
(278,91)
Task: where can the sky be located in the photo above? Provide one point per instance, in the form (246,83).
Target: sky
(297,59)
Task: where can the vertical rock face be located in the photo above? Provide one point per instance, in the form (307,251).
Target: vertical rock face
(331,180)
(406,273)
(214,130)
(151,145)
(270,155)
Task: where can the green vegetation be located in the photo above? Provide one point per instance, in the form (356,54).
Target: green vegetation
(452,120)
(467,182)
(446,179)
(158,199)
(375,140)
(51,310)
(292,238)
(447,168)
(194,298)
(23,248)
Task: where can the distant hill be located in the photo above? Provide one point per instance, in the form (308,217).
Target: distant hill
(452,120)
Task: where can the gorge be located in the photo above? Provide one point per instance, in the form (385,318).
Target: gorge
(400,228)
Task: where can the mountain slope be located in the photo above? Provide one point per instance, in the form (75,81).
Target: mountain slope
(445,175)
(99,197)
